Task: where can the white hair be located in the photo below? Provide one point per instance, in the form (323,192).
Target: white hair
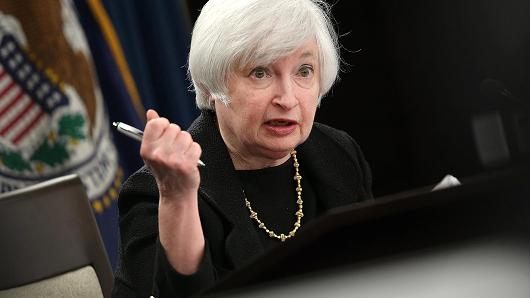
(232,34)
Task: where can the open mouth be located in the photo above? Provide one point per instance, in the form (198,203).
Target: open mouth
(280,122)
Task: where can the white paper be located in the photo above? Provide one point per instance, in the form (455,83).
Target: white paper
(447,181)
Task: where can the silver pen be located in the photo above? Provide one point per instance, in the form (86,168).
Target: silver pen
(137,134)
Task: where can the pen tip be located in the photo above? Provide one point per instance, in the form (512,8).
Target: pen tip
(115,123)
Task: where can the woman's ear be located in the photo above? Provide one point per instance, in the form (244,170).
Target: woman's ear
(211,102)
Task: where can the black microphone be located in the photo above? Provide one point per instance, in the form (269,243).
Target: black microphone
(494,89)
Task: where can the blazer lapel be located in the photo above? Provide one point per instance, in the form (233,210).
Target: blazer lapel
(221,187)
(333,178)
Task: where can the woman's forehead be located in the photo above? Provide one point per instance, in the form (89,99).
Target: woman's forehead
(307,50)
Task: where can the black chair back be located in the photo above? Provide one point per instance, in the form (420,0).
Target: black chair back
(49,229)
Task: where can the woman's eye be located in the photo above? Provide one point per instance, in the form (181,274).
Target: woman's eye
(259,73)
(305,71)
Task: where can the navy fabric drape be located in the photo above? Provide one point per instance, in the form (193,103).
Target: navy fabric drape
(155,37)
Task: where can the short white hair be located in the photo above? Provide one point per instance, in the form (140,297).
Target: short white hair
(231,34)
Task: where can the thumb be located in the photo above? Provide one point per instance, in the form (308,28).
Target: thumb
(151,114)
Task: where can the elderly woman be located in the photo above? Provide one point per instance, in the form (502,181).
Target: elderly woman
(260,69)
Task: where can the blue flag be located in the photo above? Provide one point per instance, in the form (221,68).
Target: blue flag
(63,81)
(156,36)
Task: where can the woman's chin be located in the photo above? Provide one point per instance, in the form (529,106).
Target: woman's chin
(279,152)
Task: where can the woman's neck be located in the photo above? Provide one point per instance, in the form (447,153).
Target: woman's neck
(244,163)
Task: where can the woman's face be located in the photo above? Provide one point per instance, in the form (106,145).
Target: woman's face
(272,107)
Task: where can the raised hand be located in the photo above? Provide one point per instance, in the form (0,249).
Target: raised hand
(172,156)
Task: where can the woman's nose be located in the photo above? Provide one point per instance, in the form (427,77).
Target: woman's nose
(285,95)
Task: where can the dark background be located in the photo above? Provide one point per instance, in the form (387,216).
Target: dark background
(410,93)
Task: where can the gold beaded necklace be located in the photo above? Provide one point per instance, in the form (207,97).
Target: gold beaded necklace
(299,214)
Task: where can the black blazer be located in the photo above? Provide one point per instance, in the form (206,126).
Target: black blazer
(333,161)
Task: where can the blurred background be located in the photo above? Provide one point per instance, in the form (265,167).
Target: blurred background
(428,88)
(423,86)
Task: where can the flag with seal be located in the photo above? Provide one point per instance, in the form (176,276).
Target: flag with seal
(53,114)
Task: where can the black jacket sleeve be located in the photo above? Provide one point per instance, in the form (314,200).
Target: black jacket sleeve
(143,269)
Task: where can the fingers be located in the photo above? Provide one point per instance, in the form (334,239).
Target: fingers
(166,143)
(194,152)
(151,114)
(191,151)
(180,147)
(171,154)
(183,140)
(155,128)
(172,132)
